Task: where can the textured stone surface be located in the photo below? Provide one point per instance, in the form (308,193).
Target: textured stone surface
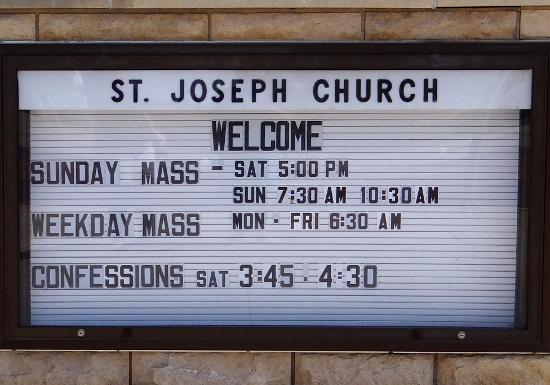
(272,4)
(490,3)
(535,24)
(67,368)
(17,27)
(54,3)
(123,27)
(286,26)
(446,24)
(494,370)
(267,3)
(211,368)
(361,369)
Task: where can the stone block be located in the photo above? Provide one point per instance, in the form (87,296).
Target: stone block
(286,26)
(38,4)
(67,368)
(534,24)
(17,27)
(361,369)
(441,25)
(494,370)
(210,368)
(491,3)
(257,4)
(123,27)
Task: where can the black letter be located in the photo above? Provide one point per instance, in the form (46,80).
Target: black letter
(341,90)
(216,87)
(149,225)
(235,89)
(117,82)
(430,90)
(135,83)
(35,284)
(258,86)
(147,172)
(193,90)
(402,95)
(179,98)
(360,97)
(324,83)
(218,135)
(37,175)
(279,90)
(384,88)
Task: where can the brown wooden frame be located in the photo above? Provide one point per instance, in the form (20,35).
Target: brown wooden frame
(534,338)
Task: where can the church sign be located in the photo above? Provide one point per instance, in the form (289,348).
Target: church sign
(227,197)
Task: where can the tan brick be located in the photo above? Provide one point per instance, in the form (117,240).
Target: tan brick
(67,368)
(286,26)
(17,27)
(54,4)
(301,4)
(211,368)
(490,3)
(123,27)
(441,24)
(361,369)
(534,24)
(494,370)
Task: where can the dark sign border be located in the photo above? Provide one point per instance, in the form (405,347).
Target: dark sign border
(369,56)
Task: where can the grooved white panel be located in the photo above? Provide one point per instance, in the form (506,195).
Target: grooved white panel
(449,260)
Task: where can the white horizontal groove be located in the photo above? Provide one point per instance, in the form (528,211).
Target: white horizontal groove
(452,264)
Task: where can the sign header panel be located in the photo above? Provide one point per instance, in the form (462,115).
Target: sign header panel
(275,90)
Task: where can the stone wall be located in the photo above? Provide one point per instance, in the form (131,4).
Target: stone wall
(56,20)
(123,368)
(323,20)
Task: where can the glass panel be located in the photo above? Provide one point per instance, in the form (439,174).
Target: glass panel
(350,198)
